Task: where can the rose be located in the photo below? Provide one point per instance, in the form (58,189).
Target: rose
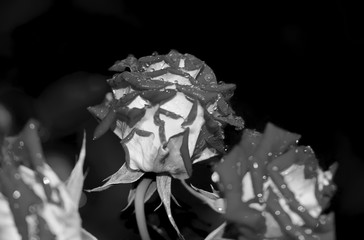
(170,112)
(34,203)
(274,188)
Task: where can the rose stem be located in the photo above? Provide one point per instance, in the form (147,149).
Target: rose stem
(139,208)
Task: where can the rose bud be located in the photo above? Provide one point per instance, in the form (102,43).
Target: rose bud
(274,188)
(34,203)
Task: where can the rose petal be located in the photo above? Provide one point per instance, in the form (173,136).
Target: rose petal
(185,154)
(179,105)
(108,122)
(157,96)
(130,62)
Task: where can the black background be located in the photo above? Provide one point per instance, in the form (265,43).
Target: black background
(297,64)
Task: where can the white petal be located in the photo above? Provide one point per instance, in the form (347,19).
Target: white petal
(193,73)
(138,102)
(172,126)
(8,229)
(157,66)
(119,93)
(179,105)
(142,152)
(304,189)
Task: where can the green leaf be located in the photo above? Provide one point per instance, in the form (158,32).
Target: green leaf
(123,175)
(212,199)
(218,233)
(85,235)
(150,191)
(164,191)
(74,183)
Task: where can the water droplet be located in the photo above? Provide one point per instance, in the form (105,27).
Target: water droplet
(21,144)
(208,76)
(46,181)
(308,231)
(275,168)
(255,165)
(264,177)
(277,212)
(17,176)
(16,194)
(288,227)
(259,195)
(322,220)
(215,177)
(32,209)
(32,126)
(301,237)
(301,209)
(220,209)
(283,186)
(270,154)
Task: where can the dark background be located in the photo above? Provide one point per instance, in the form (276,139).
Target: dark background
(297,64)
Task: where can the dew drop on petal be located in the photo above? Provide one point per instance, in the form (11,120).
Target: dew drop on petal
(288,227)
(301,209)
(32,209)
(270,154)
(255,165)
(215,177)
(283,186)
(322,220)
(32,126)
(301,237)
(208,76)
(16,194)
(308,231)
(46,180)
(277,212)
(275,168)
